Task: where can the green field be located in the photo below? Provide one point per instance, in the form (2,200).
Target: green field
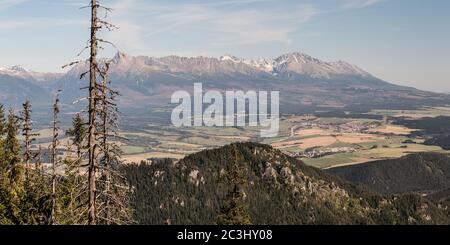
(166,141)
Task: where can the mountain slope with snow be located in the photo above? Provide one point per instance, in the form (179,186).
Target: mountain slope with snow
(289,63)
(40,78)
(306,84)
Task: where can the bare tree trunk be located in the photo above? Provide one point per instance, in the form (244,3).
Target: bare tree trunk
(95,143)
(107,170)
(39,166)
(92,141)
(78,154)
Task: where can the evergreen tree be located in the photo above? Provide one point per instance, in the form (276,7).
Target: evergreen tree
(11,186)
(27,128)
(71,196)
(12,150)
(35,201)
(78,133)
(4,194)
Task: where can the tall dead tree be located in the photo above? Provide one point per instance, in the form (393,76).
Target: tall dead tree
(54,152)
(96,25)
(92,110)
(104,139)
(39,165)
(114,191)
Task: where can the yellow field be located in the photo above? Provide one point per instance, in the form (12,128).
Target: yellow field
(396,151)
(324,139)
(143,157)
(236,138)
(312,131)
(320,141)
(392,129)
(358,138)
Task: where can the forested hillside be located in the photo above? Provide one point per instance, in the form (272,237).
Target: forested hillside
(435,129)
(421,173)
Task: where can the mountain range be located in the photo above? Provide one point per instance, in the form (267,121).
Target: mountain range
(305,83)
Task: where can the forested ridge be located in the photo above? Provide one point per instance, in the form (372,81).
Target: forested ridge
(436,130)
(424,173)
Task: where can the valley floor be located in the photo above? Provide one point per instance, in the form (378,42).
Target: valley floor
(323,142)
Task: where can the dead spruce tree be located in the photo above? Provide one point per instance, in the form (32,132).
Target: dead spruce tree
(92,111)
(97,139)
(113,190)
(39,163)
(54,154)
(107,156)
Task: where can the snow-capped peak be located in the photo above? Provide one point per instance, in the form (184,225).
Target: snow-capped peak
(20,72)
(15,71)
(265,65)
(298,63)
(230,58)
(307,65)
(18,68)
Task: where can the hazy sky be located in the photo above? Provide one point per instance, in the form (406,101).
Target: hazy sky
(401,41)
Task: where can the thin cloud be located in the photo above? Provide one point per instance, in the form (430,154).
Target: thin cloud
(232,22)
(235,21)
